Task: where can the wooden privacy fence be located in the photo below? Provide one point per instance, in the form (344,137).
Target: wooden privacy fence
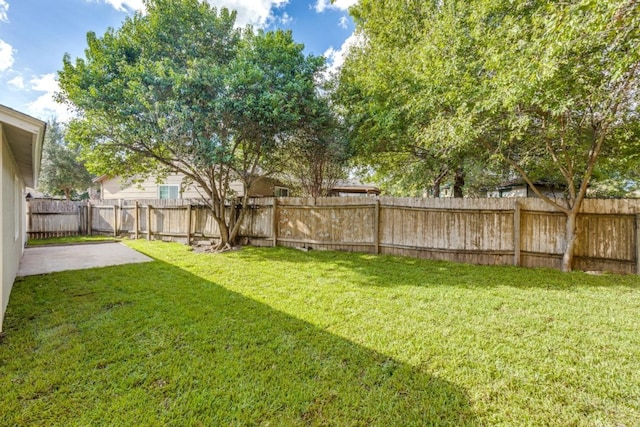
(55,218)
(520,231)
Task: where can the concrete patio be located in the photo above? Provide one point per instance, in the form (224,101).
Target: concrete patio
(48,259)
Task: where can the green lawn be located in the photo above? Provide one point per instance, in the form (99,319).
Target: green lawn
(68,240)
(282,337)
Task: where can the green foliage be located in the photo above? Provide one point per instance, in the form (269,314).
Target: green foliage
(560,91)
(318,152)
(542,85)
(61,174)
(561,87)
(181,89)
(284,337)
(404,90)
(545,88)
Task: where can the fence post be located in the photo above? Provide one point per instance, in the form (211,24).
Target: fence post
(30,224)
(516,233)
(136,220)
(637,243)
(274,222)
(148,222)
(115,221)
(80,220)
(189,223)
(376,227)
(89,219)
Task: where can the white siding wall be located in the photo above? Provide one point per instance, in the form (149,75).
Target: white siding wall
(12,247)
(116,188)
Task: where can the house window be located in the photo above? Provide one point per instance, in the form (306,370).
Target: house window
(168,192)
(281,192)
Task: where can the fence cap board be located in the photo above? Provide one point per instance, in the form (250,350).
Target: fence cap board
(46,206)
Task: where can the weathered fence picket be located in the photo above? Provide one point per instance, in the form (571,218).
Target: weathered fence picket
(523,231)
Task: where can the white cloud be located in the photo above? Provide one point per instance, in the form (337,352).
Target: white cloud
(16,82)
(45,107)
(255,12)
(6,55)
(335,58)
(322,5)
(343,22)
(44,83)
(4,9)
(285,18)
(125,5)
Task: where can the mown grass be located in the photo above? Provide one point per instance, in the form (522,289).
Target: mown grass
(68,240)
(283,337)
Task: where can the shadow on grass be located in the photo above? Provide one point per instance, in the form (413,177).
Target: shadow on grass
(389,270)
(153,344)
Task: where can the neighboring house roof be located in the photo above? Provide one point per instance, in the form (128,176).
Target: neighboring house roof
(355,187)
(101,178)
(520,182)
(520,188)
(25,136)
(35,194)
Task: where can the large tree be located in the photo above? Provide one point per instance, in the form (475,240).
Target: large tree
(559,90)
(399,94)
(546,88)
(61,171)
(181,89)
(318,152)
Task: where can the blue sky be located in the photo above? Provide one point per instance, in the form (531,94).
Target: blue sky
(35,35)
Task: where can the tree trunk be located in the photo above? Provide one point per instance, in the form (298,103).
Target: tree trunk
(436,189)
(67,194)
(437,183)
(238,212)
(570,237)
(458,183)
(224,232)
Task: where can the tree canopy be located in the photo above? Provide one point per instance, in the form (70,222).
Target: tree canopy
(62,174)
(181,89)
(559,95)
(318,152)
(540,89)
(401,87)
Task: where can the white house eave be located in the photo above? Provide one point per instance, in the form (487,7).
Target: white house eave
(28,161)
(36,152)
(21,120)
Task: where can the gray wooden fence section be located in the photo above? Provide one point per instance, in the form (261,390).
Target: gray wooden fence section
(55,218)
(522,231)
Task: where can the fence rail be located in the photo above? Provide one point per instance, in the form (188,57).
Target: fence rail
(523,231)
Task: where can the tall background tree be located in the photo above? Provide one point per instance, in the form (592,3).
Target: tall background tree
(318,152)
(559,91)
(400,87)
(62,174)
(180,89)
(537,88)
